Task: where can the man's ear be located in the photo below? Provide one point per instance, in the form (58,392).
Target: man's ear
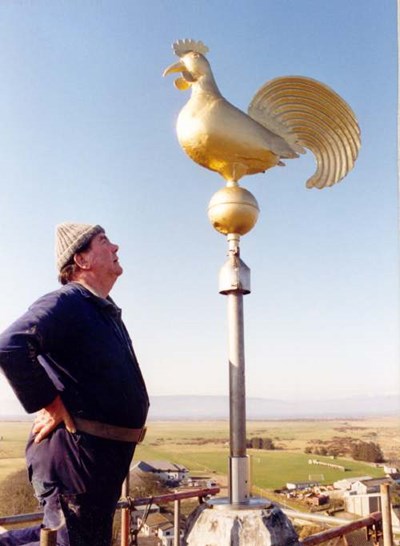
(81,261)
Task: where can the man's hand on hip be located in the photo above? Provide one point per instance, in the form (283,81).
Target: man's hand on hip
(49,418)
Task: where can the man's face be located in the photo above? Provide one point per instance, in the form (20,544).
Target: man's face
(102,258)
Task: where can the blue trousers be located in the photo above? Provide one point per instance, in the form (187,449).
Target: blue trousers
(78,519)
(77,479)
(30,536)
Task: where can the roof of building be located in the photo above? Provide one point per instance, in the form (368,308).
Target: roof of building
(349,481)
(371,482)
(153,508)
(157,520)
(160,466)
(163,521)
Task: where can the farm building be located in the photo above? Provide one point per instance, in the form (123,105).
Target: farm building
(390,470)
(292,486)
(348,482)
(138,512)
(364,496)
(367,486)
(200,481)
(395,477)
(170,474)
(161,526)
(362,505)
(318,500)
(154,522)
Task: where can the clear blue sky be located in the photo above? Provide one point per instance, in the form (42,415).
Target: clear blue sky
(88,135)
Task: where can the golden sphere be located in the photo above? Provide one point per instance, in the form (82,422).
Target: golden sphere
(233,210)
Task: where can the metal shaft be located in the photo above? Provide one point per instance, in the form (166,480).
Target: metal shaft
(177,518)
(237,389)
(234,282)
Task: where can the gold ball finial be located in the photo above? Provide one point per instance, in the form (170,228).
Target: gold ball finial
(233,209)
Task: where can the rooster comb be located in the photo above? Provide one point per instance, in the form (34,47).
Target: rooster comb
(181,47)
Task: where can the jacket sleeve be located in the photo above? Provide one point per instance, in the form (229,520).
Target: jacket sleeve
(22,343)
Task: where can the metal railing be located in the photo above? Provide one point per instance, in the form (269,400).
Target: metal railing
(126,505)
(373,525)
(378,525)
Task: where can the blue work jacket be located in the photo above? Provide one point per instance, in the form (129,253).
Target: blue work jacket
(73,343)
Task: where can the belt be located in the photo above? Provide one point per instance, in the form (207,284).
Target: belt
(110,432)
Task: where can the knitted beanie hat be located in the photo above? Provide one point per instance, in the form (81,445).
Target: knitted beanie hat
(70,237)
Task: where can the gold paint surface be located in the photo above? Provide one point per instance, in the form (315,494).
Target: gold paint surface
(287,116)
(233,210)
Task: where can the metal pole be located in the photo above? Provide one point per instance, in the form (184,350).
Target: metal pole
(125,515)
(234,282)
(48,537)
(237,401)
(177,517)
(386,515)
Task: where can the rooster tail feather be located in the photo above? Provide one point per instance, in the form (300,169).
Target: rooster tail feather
(308,114)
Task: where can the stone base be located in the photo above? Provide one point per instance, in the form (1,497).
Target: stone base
(208,526)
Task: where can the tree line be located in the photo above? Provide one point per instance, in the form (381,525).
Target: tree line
(260,443)
(359,450)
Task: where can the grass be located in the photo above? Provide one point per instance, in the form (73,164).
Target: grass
(270,469)
(203,447)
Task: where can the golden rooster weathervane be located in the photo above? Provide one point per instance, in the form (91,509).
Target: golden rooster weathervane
(287,115)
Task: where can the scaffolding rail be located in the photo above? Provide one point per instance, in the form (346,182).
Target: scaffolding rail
(372,523)
(377,524)
(126,505)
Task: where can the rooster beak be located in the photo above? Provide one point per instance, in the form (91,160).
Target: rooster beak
(177,67)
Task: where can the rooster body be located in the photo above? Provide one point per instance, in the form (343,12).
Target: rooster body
(286,116)
(220,137)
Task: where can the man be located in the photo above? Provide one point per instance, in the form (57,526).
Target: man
(70,359)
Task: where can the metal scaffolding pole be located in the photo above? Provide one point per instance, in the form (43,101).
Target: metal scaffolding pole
(386,515)
(48,537)
(125,515)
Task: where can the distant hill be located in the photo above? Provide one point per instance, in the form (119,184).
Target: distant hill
(204,408)
(217,407)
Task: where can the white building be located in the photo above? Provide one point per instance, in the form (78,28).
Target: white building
(152,523)
(346,483)
(368,486)
(159,525)
(166,534)
(292,486)
(390,470)
(363,504)
(169,473)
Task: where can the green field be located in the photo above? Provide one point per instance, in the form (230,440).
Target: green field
(203,447)
(270,469)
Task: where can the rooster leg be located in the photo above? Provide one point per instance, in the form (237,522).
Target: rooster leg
(234,172)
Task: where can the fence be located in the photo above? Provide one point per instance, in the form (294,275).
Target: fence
(372,524)
(126,506)
(378,525)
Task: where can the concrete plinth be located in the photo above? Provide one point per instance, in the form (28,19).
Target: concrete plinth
(208,526)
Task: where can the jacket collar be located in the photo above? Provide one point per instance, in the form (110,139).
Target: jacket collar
(107,304)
